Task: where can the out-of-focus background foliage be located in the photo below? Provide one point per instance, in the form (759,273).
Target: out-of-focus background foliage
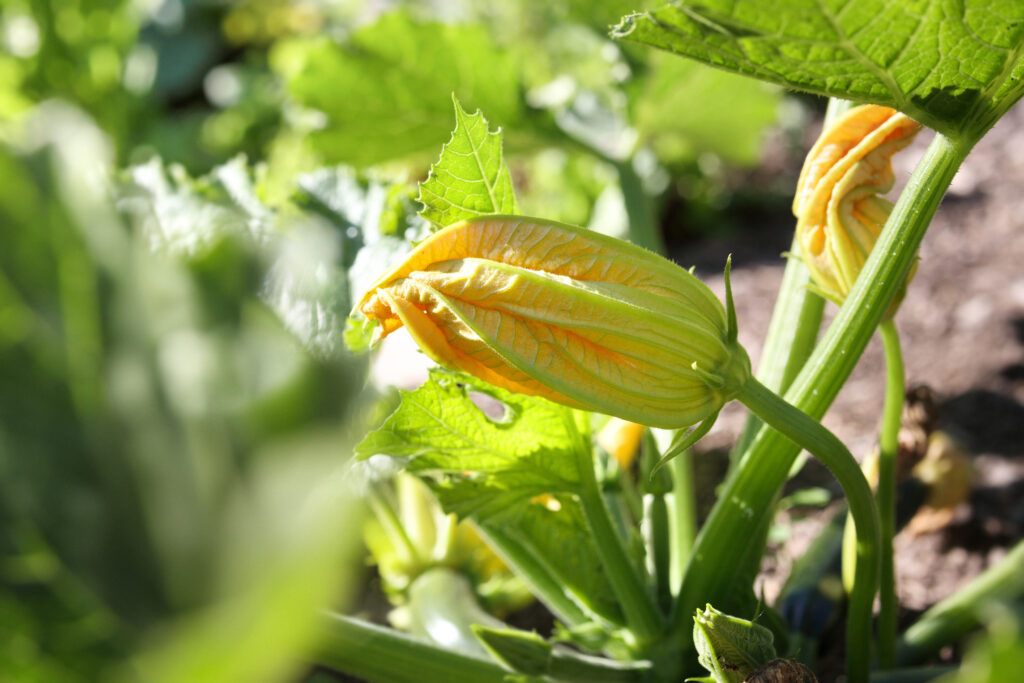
(191,191)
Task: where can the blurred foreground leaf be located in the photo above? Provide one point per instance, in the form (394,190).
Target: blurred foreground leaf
(175,450)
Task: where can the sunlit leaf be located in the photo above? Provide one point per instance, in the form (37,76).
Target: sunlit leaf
(514,447)
(953,65)
(385,92)
(471,178)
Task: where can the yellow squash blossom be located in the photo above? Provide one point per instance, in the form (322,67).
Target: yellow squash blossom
(838,208)
(561,312)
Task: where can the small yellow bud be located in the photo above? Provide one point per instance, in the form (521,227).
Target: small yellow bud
(571,315)
(621,438)
(838,208)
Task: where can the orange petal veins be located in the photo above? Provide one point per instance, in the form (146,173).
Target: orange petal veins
(560,312)
(840,213)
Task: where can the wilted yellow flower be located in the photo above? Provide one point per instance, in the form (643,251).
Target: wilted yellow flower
(552,310)
(838,208)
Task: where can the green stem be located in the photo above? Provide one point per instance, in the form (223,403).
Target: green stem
(748,492)
(888,449)
(917,675)
(657,523)
(808,433)
(642,617)
(951,619)
(643,228)
(656,540)
(683,506)
(548,589)
(375,653)
(795,322)
(393,528)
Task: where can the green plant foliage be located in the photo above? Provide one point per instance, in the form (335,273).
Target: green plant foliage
(471,178)
(159,424)
(386,91)
(520,448)
(955,66)
(524,652)
(492,467)
(730,648)
(730,121)
(555,531)
(305,256)
(996,655)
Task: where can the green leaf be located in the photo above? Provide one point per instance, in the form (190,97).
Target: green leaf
(492,466)
(471,178)
(385,91)
(954,65)
(522,651)
(522,447)
(555,532)
(731,121)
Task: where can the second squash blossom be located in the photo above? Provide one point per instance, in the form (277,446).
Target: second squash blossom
(552,310)
(838,208)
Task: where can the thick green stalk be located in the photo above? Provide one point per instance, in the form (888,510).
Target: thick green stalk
(683,507)
(657,523)
(808,433)
(656,540)
(375,653)
(795,322)
(540,581)
(642,617)
(888,449)
(951,619)
(750,488)
(393,528)
(643,228)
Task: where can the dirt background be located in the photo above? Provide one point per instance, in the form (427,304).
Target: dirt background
(962,328)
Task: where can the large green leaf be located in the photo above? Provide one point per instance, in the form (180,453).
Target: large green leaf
(471,178)
(955,65)
(386,91)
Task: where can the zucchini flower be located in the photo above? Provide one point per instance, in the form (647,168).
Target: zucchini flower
(838,208)
(570,315)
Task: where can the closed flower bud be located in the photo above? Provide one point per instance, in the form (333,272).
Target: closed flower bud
(552,310)
(621,438)
(729,647)
(838,208)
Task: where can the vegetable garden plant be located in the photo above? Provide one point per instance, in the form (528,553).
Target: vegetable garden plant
(542,330)
(179,402)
